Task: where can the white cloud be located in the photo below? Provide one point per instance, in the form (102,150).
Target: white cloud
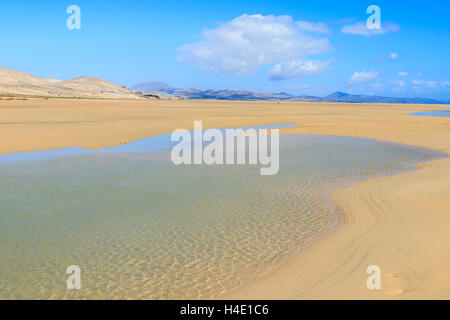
(403,74)
(319,27)
(241,45)
(297,68)
(360,28)
(398,83)
(377,85)
(424,83)
(393,56)
(363,76)
(446,84)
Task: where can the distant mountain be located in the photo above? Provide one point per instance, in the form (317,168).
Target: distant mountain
(337,95)
(344,97)
(163,88)
(153,87)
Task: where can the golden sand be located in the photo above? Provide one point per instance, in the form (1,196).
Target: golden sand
(400,223)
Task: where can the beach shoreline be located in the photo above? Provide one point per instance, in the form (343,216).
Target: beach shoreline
(396,222)
(334,268)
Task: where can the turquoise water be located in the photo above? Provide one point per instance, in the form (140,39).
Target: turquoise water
(439,113)
(155,143)
(141,228)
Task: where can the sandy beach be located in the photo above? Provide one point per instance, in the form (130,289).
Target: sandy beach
(400,223)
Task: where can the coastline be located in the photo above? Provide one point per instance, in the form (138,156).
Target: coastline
(398,222)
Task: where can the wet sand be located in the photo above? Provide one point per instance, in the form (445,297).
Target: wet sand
(400,223)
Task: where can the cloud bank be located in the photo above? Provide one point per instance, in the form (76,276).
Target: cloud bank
(247,42)
(363,76)
(398,83)
(425,83)
(360,28)
(393,56)
(297,68)
(319,27)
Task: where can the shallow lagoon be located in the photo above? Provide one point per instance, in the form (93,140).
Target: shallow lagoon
(140,227)
(438,113)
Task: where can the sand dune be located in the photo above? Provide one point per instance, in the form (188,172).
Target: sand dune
(20,83)
(92,84)
(53,80)
(17,79)
(16,83)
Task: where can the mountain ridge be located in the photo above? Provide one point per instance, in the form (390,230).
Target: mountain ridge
(338,96)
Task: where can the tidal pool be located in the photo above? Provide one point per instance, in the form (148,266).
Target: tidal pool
(140,227)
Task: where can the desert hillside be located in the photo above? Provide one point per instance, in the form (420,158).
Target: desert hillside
(92,84)
(16,83)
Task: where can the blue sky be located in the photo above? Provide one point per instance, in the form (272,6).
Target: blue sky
(300,47)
